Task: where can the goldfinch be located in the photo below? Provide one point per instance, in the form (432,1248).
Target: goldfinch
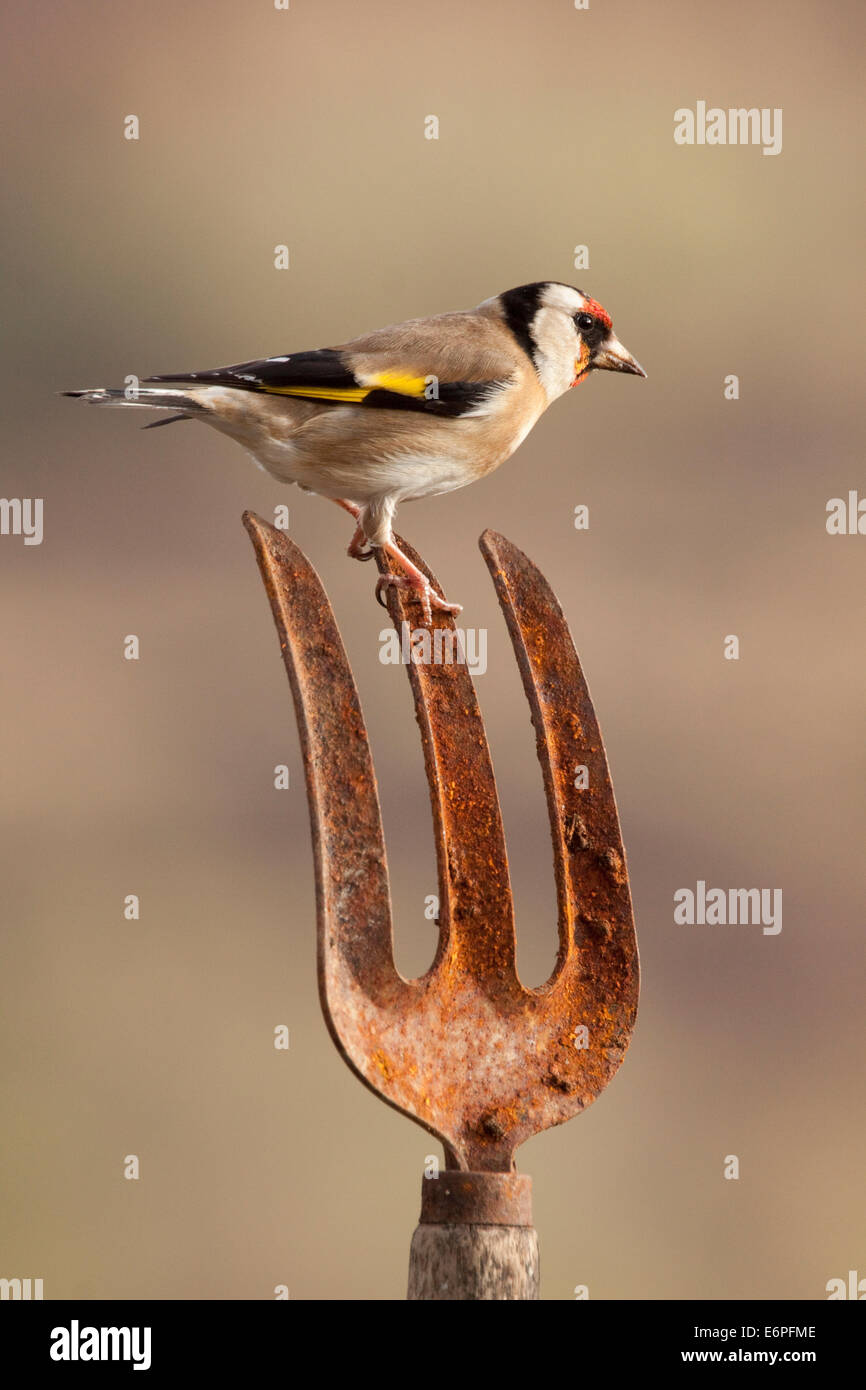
(413,410)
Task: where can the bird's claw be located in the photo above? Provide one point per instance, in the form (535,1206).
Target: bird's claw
(381,585)
(361,549)
(427,595)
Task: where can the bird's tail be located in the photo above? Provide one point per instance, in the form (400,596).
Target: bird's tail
(183,403)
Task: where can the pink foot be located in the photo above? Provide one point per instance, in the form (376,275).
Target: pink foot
(427,595)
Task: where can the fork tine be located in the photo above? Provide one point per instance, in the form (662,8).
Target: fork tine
(352,894)
(596,923)
(476,911)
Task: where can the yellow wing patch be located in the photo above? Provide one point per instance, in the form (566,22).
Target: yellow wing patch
(400,382)
(350,394)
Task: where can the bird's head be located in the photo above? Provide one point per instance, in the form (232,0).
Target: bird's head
(567,334)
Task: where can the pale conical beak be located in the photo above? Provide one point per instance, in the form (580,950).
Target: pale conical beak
(612,357)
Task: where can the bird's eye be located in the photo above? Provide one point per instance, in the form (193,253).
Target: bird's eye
(585,322)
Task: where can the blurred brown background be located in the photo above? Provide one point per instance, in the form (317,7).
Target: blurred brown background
(155,777)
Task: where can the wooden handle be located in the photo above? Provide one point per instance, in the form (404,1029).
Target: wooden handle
(473,1262)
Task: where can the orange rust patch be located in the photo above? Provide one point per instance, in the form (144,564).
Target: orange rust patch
(382,1064)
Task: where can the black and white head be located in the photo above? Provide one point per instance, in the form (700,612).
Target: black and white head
(566,334)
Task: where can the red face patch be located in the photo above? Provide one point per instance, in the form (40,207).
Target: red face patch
(593,307)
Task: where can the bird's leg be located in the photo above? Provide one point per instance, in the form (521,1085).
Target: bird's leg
(362,547)
(412,578)
(359,547)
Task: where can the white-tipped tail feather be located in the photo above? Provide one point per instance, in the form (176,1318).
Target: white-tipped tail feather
(183,403)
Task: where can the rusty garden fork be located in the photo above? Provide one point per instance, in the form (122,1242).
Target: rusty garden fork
(466,1050)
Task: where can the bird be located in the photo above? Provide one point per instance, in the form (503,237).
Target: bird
(413,410)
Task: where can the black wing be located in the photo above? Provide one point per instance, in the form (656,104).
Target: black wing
(324,376)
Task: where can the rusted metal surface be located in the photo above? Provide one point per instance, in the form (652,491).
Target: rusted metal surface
(469,1052)
(476,1199)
